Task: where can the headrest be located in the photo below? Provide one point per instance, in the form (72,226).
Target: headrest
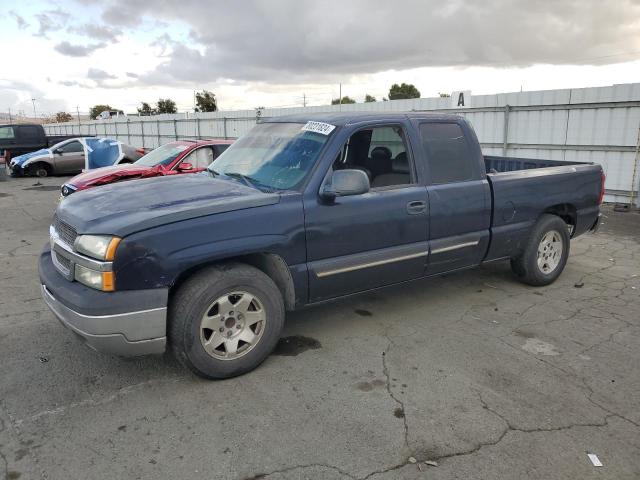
(400,164)
(381,152)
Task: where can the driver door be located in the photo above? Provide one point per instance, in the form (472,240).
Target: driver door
(69,158)
(365,241)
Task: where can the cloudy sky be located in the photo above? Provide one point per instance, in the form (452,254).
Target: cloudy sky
(251,53)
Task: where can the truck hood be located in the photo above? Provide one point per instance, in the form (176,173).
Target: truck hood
(124,208)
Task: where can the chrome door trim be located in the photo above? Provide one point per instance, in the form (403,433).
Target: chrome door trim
(375,258)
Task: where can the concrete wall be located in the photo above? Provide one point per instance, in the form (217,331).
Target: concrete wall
(600,124)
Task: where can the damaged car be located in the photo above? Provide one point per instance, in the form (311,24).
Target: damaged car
(182,156)
(73,156)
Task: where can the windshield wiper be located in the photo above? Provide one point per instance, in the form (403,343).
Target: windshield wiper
(249,181)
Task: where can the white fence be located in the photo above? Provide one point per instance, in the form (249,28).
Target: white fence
(600,124)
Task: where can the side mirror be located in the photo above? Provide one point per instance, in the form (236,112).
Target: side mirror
(344,183)
(185,167)
(57,152)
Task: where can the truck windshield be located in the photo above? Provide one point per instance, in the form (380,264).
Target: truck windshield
(163,155)
(272,156)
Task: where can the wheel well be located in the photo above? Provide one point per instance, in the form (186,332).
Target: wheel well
(45,165)
(272,265)
(566,212)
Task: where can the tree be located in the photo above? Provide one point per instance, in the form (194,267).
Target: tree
(166,105)
(369,99)
(206,101)
(62,117)
(145,110)
(345,100)
(406,90)
(98,109)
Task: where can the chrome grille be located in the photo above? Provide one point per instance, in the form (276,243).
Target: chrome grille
(65,231)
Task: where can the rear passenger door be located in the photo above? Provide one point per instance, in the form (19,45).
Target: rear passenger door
(459,196)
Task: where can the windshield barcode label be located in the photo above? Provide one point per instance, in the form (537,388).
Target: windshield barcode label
(319,127)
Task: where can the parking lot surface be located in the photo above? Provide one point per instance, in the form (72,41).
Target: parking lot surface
(478,375)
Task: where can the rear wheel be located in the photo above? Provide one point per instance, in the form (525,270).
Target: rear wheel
(545,254)
(225,320)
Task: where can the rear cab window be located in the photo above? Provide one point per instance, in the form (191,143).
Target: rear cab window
(449,156)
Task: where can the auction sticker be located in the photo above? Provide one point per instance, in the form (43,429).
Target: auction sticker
(319,127)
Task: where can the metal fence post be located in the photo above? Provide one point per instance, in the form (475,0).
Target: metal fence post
(158,130)
(636,160)
(224,125)
(142,132)
(128,133)
(175,128)
(197,128)
(505,140)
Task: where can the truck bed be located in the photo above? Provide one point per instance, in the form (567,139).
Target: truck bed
(524,188)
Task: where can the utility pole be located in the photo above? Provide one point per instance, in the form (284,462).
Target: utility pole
(78,113)
(33,101)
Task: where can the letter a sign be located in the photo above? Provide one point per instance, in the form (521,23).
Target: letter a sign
(461,99)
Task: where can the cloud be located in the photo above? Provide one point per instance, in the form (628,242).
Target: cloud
(290,40)
(22,24)
(70,50)
(51,21)
(99,75)
(98,32)
(73,83)
(132,75)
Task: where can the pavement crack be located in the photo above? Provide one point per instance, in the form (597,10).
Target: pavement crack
(385,371)
(261,476)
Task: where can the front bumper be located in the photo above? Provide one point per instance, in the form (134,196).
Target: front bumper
(126,323)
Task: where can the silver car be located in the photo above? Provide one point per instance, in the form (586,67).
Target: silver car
(64,158)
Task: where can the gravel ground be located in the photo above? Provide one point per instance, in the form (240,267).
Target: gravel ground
(474,372)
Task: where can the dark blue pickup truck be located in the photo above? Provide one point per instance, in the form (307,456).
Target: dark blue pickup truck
(301,210)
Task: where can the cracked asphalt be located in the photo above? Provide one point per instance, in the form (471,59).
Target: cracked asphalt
(475,372)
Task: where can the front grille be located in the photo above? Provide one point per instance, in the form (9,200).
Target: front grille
(62,264)
(65,231)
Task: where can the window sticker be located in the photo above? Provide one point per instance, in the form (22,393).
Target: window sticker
(319,127)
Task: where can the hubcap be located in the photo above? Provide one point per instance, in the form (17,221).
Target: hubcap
(550,252)
(232,325)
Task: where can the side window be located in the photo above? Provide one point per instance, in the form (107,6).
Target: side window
(448,153)
(6,132)
(72,147)
(29,132)
(201,158)
(218,149)
(381,152)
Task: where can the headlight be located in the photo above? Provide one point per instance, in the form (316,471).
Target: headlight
(94,279)
(101,247)
(66,190)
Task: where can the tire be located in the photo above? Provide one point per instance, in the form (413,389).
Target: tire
(40,170)
(538,269)
(212,292)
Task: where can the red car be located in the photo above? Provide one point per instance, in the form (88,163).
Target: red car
(182,156)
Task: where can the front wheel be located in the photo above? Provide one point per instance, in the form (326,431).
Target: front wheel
(545,254)
(225,320)
(40,170)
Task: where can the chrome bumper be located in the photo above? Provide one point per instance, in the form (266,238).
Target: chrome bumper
(126,334)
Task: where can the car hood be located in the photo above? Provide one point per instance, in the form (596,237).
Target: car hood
(21,160)
(124,208)
(106,174)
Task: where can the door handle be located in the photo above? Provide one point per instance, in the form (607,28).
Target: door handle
(416,207)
